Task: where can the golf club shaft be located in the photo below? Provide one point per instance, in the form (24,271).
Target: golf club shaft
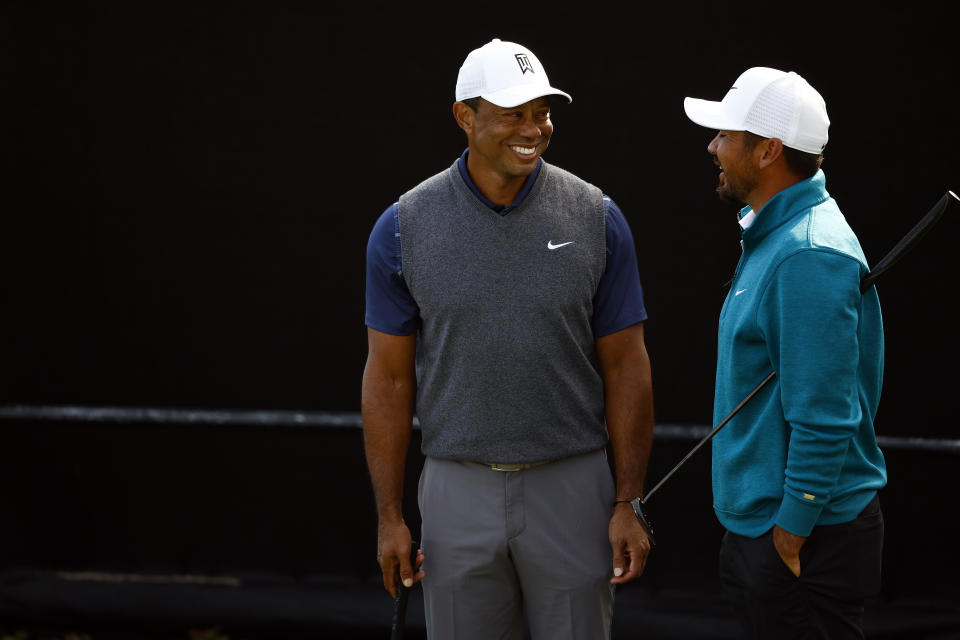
(910,240)
(901,248)
(712,433)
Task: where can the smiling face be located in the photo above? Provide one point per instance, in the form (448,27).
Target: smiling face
(733,152)
(505,143)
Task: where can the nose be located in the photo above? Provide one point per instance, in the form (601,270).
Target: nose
(712,147)
(530,129)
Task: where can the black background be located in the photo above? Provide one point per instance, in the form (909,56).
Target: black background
(187,195)
(189,191)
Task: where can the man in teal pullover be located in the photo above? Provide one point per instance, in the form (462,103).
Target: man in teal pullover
(796,472)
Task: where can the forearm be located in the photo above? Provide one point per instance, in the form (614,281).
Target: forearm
(387,409)
(630,424)
(815,459)
(629,413)
(822,425)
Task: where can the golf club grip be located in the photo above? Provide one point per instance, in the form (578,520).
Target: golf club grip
(400,602)
(908,241)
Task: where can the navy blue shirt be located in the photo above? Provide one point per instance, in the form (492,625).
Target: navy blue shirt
(617,304)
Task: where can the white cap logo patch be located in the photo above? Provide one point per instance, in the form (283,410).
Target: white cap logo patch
(524,63)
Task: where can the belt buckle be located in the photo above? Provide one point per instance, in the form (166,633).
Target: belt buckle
(507,466)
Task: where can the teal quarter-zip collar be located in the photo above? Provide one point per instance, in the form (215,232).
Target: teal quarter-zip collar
(784,206)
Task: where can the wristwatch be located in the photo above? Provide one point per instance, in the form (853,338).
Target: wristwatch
(637,505)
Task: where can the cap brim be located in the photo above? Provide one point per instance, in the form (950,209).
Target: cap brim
(710,114)
(515,96)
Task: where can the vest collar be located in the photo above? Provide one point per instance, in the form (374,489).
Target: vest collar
(499,208)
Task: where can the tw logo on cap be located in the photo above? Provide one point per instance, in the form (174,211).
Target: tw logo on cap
(524,62)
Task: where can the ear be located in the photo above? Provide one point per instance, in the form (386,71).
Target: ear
(464,115)
(769,150)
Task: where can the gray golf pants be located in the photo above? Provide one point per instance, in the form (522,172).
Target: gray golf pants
(497,543)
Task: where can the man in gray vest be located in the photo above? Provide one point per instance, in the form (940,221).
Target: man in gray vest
(503,303)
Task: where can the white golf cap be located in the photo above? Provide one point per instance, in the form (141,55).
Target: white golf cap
(504,73)
(769,103)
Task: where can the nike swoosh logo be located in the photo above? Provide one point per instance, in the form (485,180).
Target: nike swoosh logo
(739,291)
(552,246)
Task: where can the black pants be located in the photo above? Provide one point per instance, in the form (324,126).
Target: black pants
(839,569)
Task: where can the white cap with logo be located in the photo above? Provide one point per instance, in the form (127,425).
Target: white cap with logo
(771,104)
(504,73)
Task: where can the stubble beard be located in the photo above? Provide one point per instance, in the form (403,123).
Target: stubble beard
(734,193)
(726,195)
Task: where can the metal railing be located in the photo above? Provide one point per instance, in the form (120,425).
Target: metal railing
(331,419)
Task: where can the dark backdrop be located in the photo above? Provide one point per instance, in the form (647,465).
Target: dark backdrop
(186,199)
(188,191)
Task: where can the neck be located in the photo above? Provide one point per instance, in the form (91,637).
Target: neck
(498,188)
(762,194)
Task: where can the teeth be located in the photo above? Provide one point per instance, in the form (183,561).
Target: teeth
(527,151)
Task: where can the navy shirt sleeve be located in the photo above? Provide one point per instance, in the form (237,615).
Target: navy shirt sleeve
(389,306)
(618,302)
